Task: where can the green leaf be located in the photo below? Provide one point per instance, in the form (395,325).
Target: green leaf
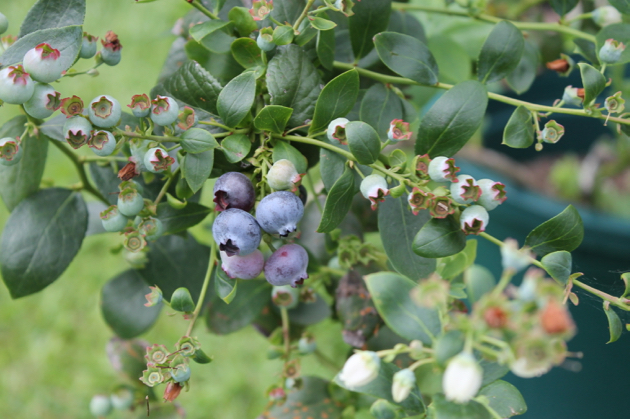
(398,227)
(306,314)
(106,181)
(622,5)
(614,323)
(587,49)
(504,398)
(236,147)
(338,202)
(312,400)
(293,82)
(391,295)
(213,35)
(406,23)
(479,281)
(565,231)
(370,18)
(247,53)
(197,168)
(273,118)
(122,305)
(562,7)
(451,58)
(558,265)
(242,20)
(522,77)
(379,107)
(224,286)
(452,266)
(46,14)
(593,81)
(363,142)
(22,179)
(174,262)
(67,40)
(501,52)
(619,32)
(41,237)
(197,140)
(284,150)
(439,237)
(335,100)
(182,301)
(325,48)
(452,120)
(443,409)
(178,220)
(193,85)
(519,131)
(492,371)
(236,99)
(448,345)
(283,35)
(287,10)
(251,298)
(407,56)
(322,24)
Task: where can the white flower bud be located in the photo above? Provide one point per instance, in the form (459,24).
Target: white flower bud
(442,169)
(360,369)
(474,219)
(403,383)
(606,15)
(462,378)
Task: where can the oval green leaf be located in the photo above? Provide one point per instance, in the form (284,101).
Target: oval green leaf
(224,286)
(236,98)
(565,231)
(193,85)
(213,35)
(504,398)
(242,20)
(284,150)
(338,202)
(178,220)
(562,7)
(614,323)
(593,81)
(622,5)
(251,298)
(519,131)
(236,147)
(47,14)
(325,48)
(407,56)
(273,118)
(558,265)
(370,18)
(322,24)
(335,100)
(197,140)
(439,237)
(197,168)
(501,52)
(452,120)
(363,142)
(247,52)
(522,77)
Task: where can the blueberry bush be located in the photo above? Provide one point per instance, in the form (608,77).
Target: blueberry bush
(333,197)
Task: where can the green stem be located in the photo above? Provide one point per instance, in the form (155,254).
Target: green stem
(312,141)
(88,159)
(309,3)
(166,186)
(87,186)
(533,26)
(158,138)
(204,288)
(216,124)
(284,313)
(197,5)
(421,362)
(617,302)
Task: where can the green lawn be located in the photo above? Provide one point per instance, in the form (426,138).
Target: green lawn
(53,358)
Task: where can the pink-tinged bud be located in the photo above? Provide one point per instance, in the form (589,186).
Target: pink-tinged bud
(44,102)
(398,130)
(111,52)
(466,190)
(284,176)
(610,52)
(462,378)
(336,131)
(77,131)
(492,193)
(555,319)
(514,258)
(154,297)
(261,8)
(552,132)
(104,111)
(16,86)
(571,96)
(172,390)
(102,143)
(419,200)
(43,63)
(421,164)
(374,187)
(164,110)
(344,6)
(157,160)
(403,382)
(140,105)
(441,207)
(243,267)
(360,369)
(71,106)
(10,151)
(186,118)
(277,394)
(474,219)
(442,169)
(88,46)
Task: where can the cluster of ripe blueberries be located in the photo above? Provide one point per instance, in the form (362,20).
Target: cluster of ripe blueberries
(238,233)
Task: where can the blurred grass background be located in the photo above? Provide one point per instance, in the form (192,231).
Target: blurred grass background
(53,356)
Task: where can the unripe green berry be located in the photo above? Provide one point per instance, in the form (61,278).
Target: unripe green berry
(44,102)
(164,110)
(100,406)
(102,143)
(157,160)
(4,23)
(152,228)
(111,52)
(283,175)
(43,63)
(88,46)
(113,220)
(77,131)
(130,202)
(11,151)
(265,39)
(16,85)
(104,111)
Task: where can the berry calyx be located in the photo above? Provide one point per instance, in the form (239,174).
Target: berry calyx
(164,110)
(102,142)
(111,52)
(71,106)
(140,105)
(16,85)
(157,160)
(43,63)
(77,131)
(104,111)
(10,151)
(44,102)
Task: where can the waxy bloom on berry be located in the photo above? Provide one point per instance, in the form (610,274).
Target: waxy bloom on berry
(44,102)
(16,85)
(104,111)
(465,190)
(157,160)
(111,52)
(283,176)
(610,52)
(398,130)
(77,131)
(265,39)
(43,63)
(474,219)
(360,369)
(113,221)
(10,151)
(442,169)
(164,110)
(374,187)
(261,8)
(492,193)
(462,378)
(102,143)
(140,105)
(552,132)
(88,46)
(336,131)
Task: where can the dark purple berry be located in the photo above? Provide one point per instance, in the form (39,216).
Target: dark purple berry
(279,213)
(236,232)
(234,190)
(287,266)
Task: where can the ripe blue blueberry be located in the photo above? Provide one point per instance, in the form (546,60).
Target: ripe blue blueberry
(104,111)
(279,213)
(44,102)
(88,46)
(102,143)
(287,266)
(234,190)
(10,151)
(243,267)
(236,232)
(164,110)
(130,202)
(77,131)
(113,221)
(43,63)
(16,85)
